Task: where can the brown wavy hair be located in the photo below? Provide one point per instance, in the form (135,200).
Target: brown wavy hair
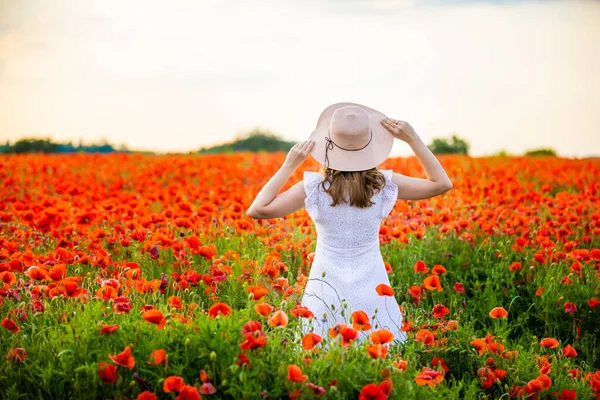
(360,185)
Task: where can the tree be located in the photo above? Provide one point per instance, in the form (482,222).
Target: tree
(255,141)
(541,152)
(503,153)
(33,146)
(444,146)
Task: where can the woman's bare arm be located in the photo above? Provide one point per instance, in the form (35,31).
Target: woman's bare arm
(267,203)
(410,188)
(433,169)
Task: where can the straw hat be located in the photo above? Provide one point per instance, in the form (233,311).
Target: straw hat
(350,137)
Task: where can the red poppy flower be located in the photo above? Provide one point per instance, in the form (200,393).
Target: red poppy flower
(440,311)
(570,307)
(459,287)
(108,328)
(384,290)
(569,351)
(279,318)
(173,383)
(382,336)
(188,392)
(425,336)
(420,267)
(310,340)
(295,374)
(107,372)
(432,282)
(263,309)
(217,308)
(360,321)
(429,377)
(11,325)
(549,343)
(155,316)
(498,312)
(158,356)
(124,358)
(372,391)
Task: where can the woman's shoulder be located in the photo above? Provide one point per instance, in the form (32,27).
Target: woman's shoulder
(312,173)
(390,187)
(311,180)
(311,176)
(387,173)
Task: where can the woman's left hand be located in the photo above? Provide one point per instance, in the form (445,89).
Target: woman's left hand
(298,154)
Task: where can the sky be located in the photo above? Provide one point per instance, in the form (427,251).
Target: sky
(173,76)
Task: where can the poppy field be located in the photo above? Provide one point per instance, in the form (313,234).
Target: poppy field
(130,276)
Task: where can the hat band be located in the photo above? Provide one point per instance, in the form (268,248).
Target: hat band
(330,143)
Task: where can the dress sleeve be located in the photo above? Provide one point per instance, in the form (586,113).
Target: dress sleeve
(389,194)
(311,183)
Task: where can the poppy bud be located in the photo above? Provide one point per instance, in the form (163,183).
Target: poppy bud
(213,356)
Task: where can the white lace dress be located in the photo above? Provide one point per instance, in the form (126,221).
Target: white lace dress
(348,252)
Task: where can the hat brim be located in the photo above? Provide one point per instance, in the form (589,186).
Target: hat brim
(371,156)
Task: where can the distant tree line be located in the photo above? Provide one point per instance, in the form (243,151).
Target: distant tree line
(456,145)
(46,145)
(255,141)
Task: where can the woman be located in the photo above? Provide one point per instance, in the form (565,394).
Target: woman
(347,204)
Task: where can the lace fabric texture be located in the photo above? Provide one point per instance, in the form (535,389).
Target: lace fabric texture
(348,252)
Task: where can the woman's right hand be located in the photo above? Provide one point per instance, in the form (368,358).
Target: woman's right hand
(400,129)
